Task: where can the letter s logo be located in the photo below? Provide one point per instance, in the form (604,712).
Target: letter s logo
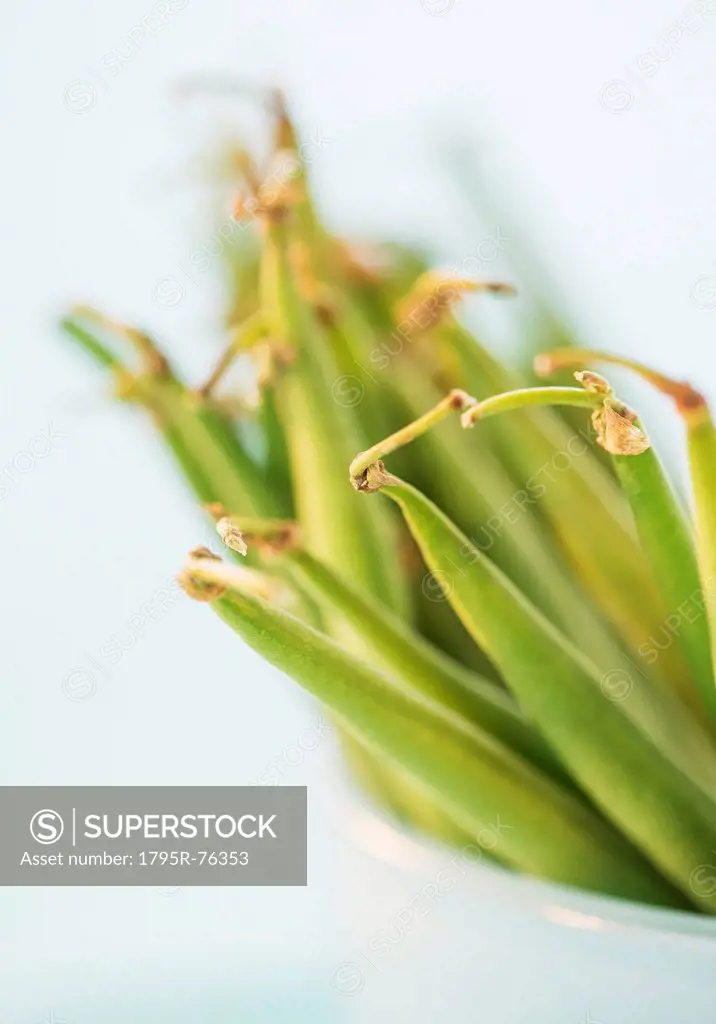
(46,827)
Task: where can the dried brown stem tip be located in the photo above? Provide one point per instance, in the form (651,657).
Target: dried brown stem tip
(205,578)
(459,400)
(614,422)
(191,584)
(373,478)
(433,295)
(268,536)
(232,536)
(692,406)
(617,433)
(593,382)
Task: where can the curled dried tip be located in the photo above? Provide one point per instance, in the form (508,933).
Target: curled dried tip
(614,422)
(459,400)
(190,579)
(432,295)
(231,535)
(616,429)
(206,579)
(593,382)
(203,552)
(692,405)
(373,478)
(268,536)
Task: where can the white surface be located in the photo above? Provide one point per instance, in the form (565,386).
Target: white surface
(103,204)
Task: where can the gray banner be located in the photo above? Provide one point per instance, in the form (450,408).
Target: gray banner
(153,835)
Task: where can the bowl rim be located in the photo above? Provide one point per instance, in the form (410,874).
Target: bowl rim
(382,837)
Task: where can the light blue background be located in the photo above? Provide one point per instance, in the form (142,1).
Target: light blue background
(99,206)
